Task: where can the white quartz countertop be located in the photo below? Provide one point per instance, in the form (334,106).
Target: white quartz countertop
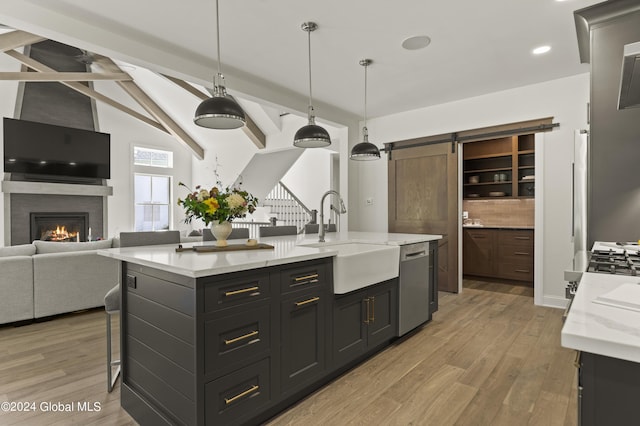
(287,249)
(601,329)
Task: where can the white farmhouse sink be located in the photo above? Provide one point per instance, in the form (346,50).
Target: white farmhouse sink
(359,265)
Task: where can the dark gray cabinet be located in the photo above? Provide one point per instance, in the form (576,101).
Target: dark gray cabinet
(239,347)
(608,390)
(363,320)
(303,324)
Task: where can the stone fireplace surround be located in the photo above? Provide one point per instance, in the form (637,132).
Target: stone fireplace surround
(23,197)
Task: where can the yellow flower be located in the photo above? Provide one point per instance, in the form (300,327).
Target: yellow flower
(213,205)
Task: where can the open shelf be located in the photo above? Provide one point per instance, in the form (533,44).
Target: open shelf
(512,156)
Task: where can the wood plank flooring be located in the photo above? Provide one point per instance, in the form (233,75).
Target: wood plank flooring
(489,357)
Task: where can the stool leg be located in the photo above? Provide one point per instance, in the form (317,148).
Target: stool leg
(111,377)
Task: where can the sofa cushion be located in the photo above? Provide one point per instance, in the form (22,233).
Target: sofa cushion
(20,250)
(58,247)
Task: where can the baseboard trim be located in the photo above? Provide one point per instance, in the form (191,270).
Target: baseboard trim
(555,302)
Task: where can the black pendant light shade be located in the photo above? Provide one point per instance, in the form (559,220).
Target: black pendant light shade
(311,135)
(365,150)
(220,111)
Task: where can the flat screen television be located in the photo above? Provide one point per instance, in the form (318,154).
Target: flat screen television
(46,149)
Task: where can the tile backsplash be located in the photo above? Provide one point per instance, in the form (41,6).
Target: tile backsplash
(511,212)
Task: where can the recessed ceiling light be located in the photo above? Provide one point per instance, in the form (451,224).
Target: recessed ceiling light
(416,42)
(540,50)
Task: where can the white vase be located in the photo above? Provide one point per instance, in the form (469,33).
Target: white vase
(221,231)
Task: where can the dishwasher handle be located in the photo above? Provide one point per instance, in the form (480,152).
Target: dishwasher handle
(413,251)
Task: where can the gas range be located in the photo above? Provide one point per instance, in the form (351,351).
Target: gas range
(622,259)
(617,262)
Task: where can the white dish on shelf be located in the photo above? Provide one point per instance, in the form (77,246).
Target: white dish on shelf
(529,177)
(496,194)
(473,195)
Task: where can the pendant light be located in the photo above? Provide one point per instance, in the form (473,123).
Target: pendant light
(220,111)
(311,135)
(365,150)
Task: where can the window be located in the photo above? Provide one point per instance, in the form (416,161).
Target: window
(152,202)
(152,157)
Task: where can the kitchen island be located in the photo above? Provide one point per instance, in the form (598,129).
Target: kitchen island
(235,337)
(607,341)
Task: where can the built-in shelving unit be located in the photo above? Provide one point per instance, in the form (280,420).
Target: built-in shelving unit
(500,168)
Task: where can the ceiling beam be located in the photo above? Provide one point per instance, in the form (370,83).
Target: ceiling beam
(15,39)
(152,107)
(250,129)
(79,87)
(63,76)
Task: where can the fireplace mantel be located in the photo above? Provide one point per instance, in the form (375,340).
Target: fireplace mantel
(19,187)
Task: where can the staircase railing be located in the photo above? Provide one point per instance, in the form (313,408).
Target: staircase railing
(287,208)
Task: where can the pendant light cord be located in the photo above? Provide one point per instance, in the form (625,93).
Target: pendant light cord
(310,95)
(217,83)
(365,95)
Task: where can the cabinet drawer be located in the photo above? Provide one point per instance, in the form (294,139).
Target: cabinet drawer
(232,340)
(516,271)
(237,397)
(515,253)
(240,289)
(519,237)
(303,276)
(479,234)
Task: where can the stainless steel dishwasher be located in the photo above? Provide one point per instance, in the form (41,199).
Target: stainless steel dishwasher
(413,286)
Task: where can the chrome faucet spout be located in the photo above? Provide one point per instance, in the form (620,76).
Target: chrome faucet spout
(343,209)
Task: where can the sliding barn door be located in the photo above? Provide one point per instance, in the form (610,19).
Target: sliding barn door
(423,199)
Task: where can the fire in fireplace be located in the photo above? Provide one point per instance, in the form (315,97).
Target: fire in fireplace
(61,227)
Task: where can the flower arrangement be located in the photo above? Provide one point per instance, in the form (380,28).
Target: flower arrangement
(217,205)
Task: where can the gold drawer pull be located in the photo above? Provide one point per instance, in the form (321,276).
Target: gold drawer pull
(237,339)
(368,311)
(521,253)
(306,277)
(305,302)
(373,309)
(526,271)
(522,238)
(244,290)
(240,395)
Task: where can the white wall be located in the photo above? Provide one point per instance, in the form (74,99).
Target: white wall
(309,177)
(126,132)
(564,99)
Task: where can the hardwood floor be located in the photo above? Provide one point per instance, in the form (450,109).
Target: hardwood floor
(489,357)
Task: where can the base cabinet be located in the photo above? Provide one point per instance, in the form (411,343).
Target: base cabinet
(235,349)
(608,391)
(364,319)
(304,337)
(498,253)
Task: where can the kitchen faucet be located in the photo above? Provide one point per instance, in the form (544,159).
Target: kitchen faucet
(343,209)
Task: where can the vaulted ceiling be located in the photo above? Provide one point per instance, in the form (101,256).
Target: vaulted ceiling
(477,47)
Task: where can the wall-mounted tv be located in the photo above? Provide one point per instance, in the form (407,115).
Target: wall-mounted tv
(46,149)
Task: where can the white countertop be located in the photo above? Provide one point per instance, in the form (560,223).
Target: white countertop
(287,250)
(600,329)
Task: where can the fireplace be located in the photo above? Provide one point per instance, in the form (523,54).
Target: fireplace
(57,226)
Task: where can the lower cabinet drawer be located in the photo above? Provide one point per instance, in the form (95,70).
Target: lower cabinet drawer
(233,339)
(516,271)
(235,398)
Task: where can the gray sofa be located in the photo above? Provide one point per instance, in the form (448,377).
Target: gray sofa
(49,278)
